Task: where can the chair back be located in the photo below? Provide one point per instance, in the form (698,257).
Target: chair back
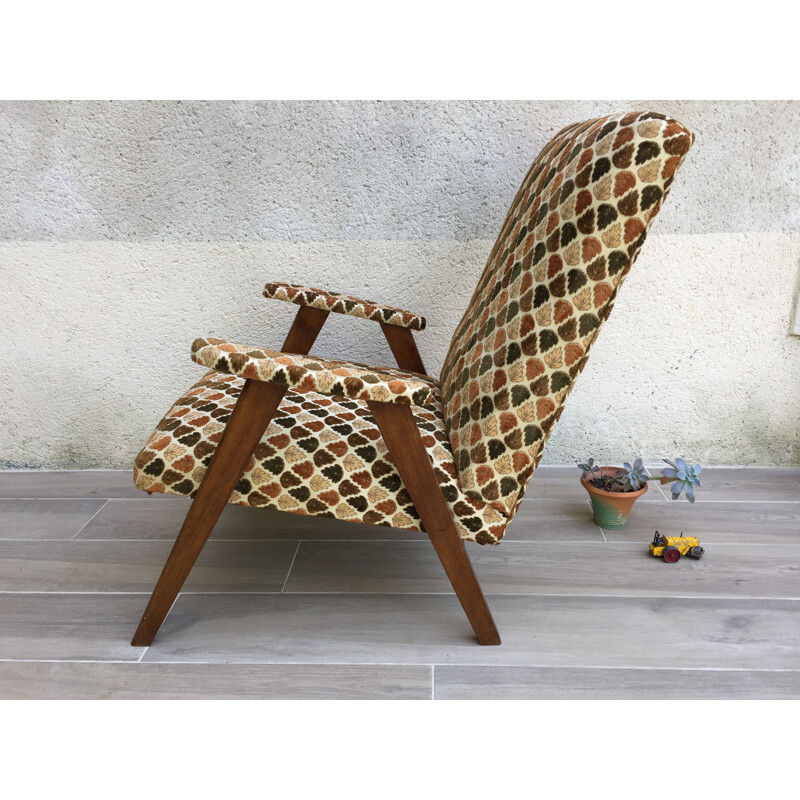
(570,238)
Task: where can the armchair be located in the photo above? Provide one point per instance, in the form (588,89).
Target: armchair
(386,446)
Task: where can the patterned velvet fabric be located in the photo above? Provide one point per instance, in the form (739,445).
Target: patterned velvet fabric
(310,374)
(343,304)
(570,238)
(320,455)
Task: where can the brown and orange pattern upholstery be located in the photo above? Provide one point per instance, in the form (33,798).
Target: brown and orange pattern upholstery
(320,455)
(343,304)
(310,374)
(570,238)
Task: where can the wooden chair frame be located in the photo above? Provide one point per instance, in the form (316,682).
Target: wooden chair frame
(254,409)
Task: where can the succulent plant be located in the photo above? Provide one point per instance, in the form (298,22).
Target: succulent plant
(589,468)
(683,477)
(632,477)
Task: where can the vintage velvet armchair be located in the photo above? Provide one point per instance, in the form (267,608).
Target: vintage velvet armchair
(393,446)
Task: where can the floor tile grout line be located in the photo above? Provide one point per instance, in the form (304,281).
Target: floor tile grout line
(609,667)
(89,520)
(434,665)
(527,508)
(74,497)
(168,502)
(527,501)
(89,591)
(228,663)
(119,471)
(698,501)
(702,501)
(87,661)
(289,571)
(748,597)
(471,664)
(564,595)
(508,542)
(602,534)
(657,483)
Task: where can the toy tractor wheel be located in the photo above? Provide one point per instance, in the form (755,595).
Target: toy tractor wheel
(671,555)
(696,552)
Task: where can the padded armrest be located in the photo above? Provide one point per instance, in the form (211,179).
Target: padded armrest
(310,374)
(343,304)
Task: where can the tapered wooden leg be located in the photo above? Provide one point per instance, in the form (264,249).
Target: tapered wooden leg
(307,324)
(404,348)
(401,435)
(255,407)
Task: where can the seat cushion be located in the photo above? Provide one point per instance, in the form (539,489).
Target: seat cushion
(320,455)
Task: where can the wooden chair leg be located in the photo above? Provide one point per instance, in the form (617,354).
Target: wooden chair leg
(404,348)
(306,325)
(255,407)
(401,435)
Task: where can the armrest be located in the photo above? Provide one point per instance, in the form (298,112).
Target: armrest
(343,304)
(310,374)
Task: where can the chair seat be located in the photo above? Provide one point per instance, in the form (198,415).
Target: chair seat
(320,455)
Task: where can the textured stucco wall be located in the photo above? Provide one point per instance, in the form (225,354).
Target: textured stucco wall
(129,228)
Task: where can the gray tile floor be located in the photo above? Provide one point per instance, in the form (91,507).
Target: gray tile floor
(282,606)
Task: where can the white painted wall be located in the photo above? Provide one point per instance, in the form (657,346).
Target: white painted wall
(130,229)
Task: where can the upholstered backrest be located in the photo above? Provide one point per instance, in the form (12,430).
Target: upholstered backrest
(570,238)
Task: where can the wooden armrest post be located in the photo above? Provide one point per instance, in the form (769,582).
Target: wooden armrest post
(306,326)
(308,323)
(404,348)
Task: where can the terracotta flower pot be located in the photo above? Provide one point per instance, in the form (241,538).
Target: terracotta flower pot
(611,509)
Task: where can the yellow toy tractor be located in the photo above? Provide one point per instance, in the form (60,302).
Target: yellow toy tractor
(671,548)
